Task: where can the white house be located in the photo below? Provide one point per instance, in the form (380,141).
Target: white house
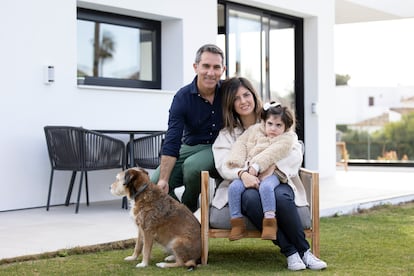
(356,104)
(41,33)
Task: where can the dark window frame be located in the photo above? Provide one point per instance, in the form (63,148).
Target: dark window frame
(299,54)
(133,22)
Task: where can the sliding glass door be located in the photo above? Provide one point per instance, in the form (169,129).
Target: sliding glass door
(267,49)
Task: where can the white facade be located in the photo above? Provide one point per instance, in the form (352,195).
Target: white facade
(43,32)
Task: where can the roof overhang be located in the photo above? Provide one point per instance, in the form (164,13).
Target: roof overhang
(354,11)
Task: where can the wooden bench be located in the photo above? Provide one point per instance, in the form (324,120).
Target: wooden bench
(310,181)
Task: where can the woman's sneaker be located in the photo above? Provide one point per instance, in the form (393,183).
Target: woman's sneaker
(312,262)
(295,262)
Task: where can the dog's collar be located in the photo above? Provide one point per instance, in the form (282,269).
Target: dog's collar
(140,190)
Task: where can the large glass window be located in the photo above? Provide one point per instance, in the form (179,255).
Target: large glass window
(266,48)
(244,46)
(374,105)
(281,77)
(116,50)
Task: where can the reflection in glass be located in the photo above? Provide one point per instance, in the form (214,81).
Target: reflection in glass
(262,49)
(244,46)
(112,51)
(282,61)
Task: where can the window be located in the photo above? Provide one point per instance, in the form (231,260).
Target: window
(370,101)
(117,50)
(267,48)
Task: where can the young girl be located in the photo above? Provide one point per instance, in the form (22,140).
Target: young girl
(256,152)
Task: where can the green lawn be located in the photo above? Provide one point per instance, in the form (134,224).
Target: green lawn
(376,242)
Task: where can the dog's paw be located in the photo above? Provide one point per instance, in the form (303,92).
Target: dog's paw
(141,264)
(130,258)
(170,258)
(162,265)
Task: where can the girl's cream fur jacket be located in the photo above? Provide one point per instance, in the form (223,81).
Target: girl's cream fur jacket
(253,147)
(289,166)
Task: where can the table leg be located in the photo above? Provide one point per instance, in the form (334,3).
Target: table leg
(130,164)
(131,150)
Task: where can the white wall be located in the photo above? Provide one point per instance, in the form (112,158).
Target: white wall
(43,32)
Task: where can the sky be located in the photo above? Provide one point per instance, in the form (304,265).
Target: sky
(377,53)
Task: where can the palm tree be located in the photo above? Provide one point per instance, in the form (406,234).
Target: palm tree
(103,50)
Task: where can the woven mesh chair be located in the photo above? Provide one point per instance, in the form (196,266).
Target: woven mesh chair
(147,150)
(146,153)
(81,150)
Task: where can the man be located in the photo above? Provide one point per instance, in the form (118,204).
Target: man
(194,122)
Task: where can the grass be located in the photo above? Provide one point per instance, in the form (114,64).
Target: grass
(379,241)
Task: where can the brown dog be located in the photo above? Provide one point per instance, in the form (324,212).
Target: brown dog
(159,218)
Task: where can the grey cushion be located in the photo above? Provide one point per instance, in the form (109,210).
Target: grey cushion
(220,218)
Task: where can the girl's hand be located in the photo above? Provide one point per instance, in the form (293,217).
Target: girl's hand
(267,172)
(250,181)
(252,171)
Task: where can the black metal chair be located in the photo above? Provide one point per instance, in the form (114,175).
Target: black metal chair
(146,153)
(147,150)
(78,149)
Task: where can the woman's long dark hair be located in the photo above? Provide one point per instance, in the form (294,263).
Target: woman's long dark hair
(231,119)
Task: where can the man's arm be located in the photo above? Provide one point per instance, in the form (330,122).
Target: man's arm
(166,166)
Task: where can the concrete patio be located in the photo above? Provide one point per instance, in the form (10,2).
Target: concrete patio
(34,231)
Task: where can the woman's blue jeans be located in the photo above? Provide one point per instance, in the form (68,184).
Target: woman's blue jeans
(290,233)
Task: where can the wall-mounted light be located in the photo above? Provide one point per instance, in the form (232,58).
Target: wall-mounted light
(314,108)
(49,74)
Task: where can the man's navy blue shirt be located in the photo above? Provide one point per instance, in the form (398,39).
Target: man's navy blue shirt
(192,120)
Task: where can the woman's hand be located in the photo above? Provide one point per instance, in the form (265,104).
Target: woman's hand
(249,181)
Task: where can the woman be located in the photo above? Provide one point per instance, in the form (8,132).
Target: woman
(256,152)
(241,109)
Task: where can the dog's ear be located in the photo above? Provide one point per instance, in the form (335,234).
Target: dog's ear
(143,170)
(129,177)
